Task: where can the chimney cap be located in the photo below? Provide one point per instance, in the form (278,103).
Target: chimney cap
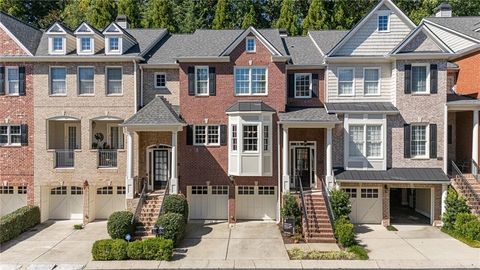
(443,6)
(122,17)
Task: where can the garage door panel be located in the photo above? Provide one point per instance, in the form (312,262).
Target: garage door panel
(11,202)
(66,203)
(109,200)
(256,203)
(208,202)
(366,205)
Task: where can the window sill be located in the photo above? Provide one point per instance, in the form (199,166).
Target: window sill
(372,95)
(57,95)
(250,95)
(12,95)
(346,95)
(160,87)
(421,94)
(107,168)
(86,95)
(302,97)
(114,95)
(420,158)
(207,145)
(202,95)
(11,145)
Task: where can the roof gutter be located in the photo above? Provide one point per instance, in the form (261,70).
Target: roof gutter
(168,66)
(363,112)
(69,59)
(362,59)
(279,58)
(298,67)
(423,56)
(204,59)
(393,181)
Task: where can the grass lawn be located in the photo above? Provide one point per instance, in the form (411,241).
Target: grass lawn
(471,243)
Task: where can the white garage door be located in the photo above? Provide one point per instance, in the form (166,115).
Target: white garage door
(109,200)
(208,202)
(66,203)
(366,205)
(12,198)
(256,202)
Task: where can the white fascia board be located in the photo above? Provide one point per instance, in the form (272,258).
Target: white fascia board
(257,34)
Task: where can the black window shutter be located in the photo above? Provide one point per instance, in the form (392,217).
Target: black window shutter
(450,134)
(433,140)
(315,85)
(406,140)
(291,85)
(223,134)
(211,81)
(189,135)
(433,79)
(21,81)
(408,79)
(24,135)
(191,81)
(2,81)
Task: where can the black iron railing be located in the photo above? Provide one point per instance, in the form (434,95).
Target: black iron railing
(64,158)
(107,158)
(326,196)
(475,170)
(141,199)
(303,205)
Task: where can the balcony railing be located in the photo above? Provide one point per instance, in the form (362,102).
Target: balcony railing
(64,158)
(107,158)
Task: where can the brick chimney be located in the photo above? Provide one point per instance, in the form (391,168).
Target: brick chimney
(444,10)
(122,21)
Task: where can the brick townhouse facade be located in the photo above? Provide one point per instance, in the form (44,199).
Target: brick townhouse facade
(233,119)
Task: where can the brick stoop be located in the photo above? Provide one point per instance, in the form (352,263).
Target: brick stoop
(148,215)
(472,201)
(319,229)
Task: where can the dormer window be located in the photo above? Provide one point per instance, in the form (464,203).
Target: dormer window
(113,44)
(251,45)
(86,44)
(57,44)
(383,22)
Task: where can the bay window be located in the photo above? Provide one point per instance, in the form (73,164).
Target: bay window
(345,81)
(234,138)
(365,141)
(250,81)
(250,138)
(356,136)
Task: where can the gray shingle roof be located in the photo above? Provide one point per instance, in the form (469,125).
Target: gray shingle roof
(28,35)
(157,112)
(250,106)
(343,107)
(453,99)
(395,174)
(307,115)
(465,24)
(303,51)
(327,39)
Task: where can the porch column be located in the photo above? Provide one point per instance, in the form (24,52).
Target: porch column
(285,176)
(444,197)
(329,167)
(129,171)
(174,178)
(475,139)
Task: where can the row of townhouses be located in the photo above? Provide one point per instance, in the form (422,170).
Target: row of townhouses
(233,119)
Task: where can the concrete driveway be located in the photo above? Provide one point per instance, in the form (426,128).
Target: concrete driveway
(425,244)
(245,240)
(54,242)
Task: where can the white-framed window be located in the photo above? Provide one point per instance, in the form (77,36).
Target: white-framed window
(57,44)
(86,44)
(303,85)
(13,81)
(234,138)
(105,191)
(59,191)
(121,190)
(383,23)
(419,140)
(352,192)
(219,190)
(22,189)
(371,193)
(371,81)
(201,81)
(206,135)
(6,190)
(250,81)
(266,190)
(10,135)
(58,80)
(114,44)
(266,138)
(114,80)
(76,190)
(250,45)
(365,140)
(420,79)
(346,81)
(86,85)
(250,138)
(246,190)
(199,190)
(160,79)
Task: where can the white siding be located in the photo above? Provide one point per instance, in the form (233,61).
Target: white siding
(453,41)
(367,41)
(387,85)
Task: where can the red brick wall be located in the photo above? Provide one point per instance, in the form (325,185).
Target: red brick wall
(8,46)
(201,164)
(468,81)
(314,101)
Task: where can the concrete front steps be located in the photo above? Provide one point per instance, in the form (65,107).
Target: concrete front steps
(148,215)
(472,195)
(319,228)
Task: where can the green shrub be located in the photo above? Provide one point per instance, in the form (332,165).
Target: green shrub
(176,204)
(340,202)
(359,251)
(454,204)
(78,226)
(135,250)
(173,225)
(344,232)
(468,225)
(291,209)
(19,221)
(109,249)
(120,224)
(157,249)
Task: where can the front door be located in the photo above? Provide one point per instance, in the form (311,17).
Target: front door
(160,168)
(302,167)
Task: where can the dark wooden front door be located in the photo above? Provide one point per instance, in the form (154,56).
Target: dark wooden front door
(303,166)
(160,168)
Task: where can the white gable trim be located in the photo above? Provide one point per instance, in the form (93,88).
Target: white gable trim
(121,31)
(90,30)
(315,43)
(388,3)
(64,32)
(15,39)
(257,34)
(452,31)
(424,29)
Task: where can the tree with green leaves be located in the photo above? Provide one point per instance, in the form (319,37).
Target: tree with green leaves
(221,21)
(288,18)
(250,19)
(130,8)
(101,13)
(38,13)
(75,12)
(187,16)
(317,17)
(159,14)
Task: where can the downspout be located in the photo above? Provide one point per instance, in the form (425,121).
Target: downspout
(279,176)
(141,85)
(135,85)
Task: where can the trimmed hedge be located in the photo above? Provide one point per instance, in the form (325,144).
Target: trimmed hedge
(120,224)
(176,204)
(117,249)
(468,225)
(109,250)
(19,221)
(344,232)
(173,225)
